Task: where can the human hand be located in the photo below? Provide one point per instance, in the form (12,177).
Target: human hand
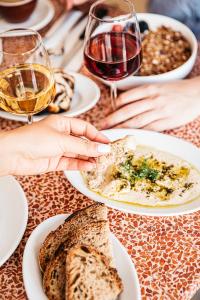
(71,3)
(157,106)
(79,2)
(53,144)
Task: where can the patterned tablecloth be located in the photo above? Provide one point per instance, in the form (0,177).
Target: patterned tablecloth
(165,250)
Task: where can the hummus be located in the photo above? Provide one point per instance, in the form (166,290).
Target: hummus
(144,176)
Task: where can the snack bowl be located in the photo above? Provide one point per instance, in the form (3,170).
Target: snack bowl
(154,21)
(24,9)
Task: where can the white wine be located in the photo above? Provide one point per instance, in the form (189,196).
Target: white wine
(26,89)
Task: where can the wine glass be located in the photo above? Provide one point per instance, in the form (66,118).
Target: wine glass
(26,79)
(112,48)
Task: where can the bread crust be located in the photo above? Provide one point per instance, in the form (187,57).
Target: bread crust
(96,234)
(77,251)
(87,228)
(54,239)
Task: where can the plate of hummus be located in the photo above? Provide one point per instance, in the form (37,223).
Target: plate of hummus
(145,173)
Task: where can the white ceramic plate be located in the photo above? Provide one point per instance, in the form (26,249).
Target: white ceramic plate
(160,141)
(86,95)
(42,15)
(13,216)
(32,275)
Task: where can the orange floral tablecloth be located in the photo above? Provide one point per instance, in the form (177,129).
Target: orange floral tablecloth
(165,250)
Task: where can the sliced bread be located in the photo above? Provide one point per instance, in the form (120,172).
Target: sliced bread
(99,176)
(95,234)
(89,275)
(74,222)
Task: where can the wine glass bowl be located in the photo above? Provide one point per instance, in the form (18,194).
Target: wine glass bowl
(122,59)
(112,49)
(26,79)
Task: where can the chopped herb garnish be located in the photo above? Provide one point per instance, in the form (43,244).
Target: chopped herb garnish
(132,172)
(188,185)
(145,171)
(149,175)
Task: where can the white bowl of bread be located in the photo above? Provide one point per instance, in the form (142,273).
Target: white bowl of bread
(76,257)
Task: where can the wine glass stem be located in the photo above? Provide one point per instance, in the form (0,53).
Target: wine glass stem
(30,119)
(113,95)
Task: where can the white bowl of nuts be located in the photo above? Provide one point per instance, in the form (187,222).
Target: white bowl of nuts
(169,50)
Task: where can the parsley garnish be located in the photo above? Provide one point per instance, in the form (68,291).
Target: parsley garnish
(132,172)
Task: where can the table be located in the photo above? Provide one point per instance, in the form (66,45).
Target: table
(165,250)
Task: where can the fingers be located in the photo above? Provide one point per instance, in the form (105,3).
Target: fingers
(81,146)
(141,120)
(73,164)
(138,93)
(69,4)
(127,112)
(76,127)
(83,128)
(82,157)
(163,124)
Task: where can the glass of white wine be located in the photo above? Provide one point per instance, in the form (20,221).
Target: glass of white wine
(26,78)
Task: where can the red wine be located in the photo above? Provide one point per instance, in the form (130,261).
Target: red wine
(113,55)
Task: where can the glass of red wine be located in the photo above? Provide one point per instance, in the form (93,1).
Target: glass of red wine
(112,49)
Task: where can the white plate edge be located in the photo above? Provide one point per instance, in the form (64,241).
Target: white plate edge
(23,225)
(42,23)
(137,282)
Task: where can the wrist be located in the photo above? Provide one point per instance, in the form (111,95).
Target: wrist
(70,4)
(6,157)
(196,87)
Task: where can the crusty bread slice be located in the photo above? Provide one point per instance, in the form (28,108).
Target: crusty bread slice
(97,211)
(96,178)
(95,234)
(89,275)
